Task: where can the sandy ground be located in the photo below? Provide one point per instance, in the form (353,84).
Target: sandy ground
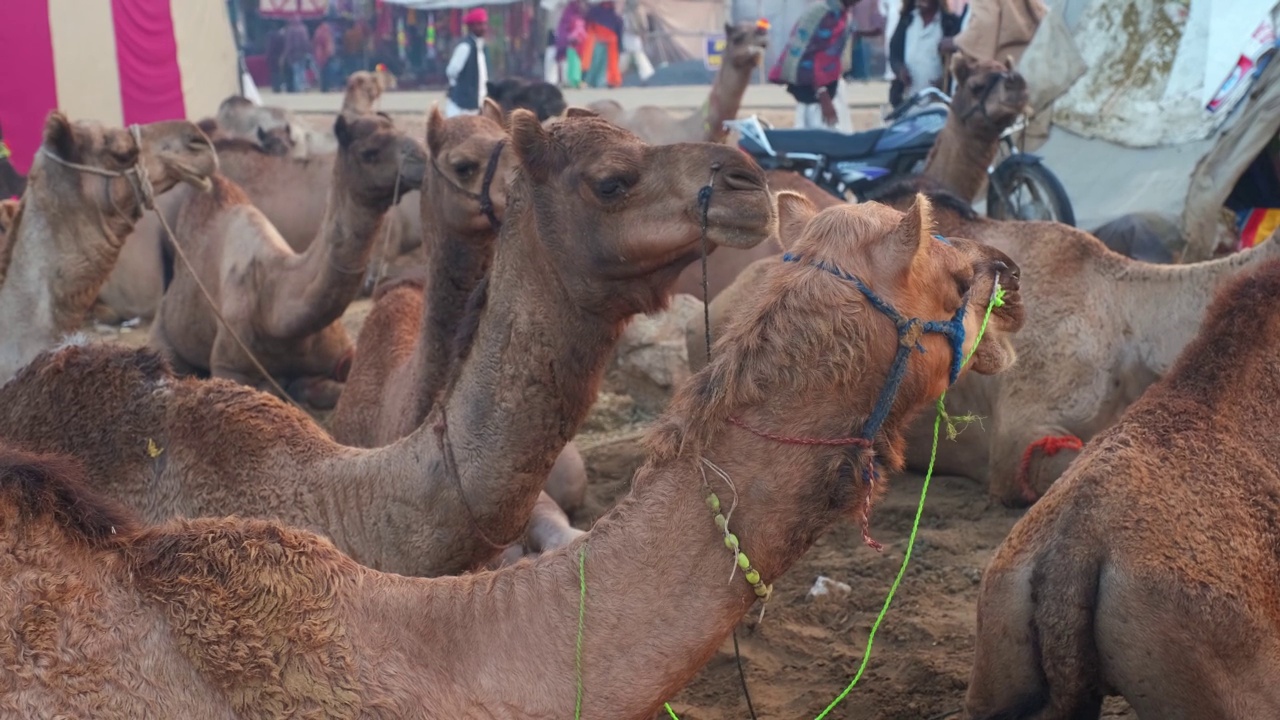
(807,649)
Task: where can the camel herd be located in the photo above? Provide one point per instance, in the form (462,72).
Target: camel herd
(180,538)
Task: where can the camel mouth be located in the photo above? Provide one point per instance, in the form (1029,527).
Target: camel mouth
(197,173)
(742,225)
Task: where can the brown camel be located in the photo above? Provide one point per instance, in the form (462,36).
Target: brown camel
(364,89)
(285,306)
(746,43)
(1150,569)
(448,497)
(989,97)
(1104,327)
(409,334)
(220,618)
(87,188)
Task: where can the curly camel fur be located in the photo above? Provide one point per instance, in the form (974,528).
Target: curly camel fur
(68,229)
(1150,570)
(221,618)
(285,306)
(746,43)
(409,335)
(595,220)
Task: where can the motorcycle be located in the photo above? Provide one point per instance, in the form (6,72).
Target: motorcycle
(855,167)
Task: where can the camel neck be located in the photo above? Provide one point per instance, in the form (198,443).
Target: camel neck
(659,599)
(960,157)
(723,103)
(62,250)
(456,263)
(323,281)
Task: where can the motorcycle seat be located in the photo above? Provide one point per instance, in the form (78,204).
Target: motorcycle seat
(835,145)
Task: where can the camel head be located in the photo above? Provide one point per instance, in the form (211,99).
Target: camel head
(814,349)
(461,148)
(989,95)
(374,159)
(171,152)
(363,90)
(746,44)
(622,219)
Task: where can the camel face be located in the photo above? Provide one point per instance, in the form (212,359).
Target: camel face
(641,202)
(364,88)
(375,159)
(989,95)
(171,152)
(747,43)
(461,149)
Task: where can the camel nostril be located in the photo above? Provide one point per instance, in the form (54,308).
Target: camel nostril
(743,179)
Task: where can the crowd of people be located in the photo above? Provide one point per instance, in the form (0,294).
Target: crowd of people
(299,59)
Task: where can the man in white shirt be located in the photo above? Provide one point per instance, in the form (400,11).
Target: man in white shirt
(468,69)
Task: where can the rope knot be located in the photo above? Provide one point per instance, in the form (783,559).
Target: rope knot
(909,332)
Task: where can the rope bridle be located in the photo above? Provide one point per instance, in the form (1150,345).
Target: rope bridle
(145,193)
(982,99)
(482,197)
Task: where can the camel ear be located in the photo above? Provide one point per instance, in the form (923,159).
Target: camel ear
(959,67)
(493,111)
(342,130)
(575,111)
(728,31)
(1008,63)
(532,143)
(491,89)
(914,231)
(435,131)
(59,135)
(794,213)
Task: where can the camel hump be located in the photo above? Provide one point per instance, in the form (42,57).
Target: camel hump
(55,488)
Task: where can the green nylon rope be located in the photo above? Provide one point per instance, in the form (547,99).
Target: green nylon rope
(997,300)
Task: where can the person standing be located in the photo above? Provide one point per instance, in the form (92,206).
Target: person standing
(915,52)
(601,48)
(468,69)
(812,63)
(297,52)
(275,60)
(633,34)
(868,22)
(323,47)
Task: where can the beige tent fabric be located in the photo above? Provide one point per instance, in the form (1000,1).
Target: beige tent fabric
(206,54)
(1000,27)
(84,60)
(688,21)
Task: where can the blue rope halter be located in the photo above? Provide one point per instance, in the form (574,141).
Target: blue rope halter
(909,332)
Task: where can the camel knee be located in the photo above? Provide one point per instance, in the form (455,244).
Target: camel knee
(567,482)
(1026,463)
(319,392)
(549,527)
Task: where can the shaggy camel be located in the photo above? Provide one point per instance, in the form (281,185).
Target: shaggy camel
(1150,569)
(87,188)
(221,618)
(989,97)
(408,337)
(562,287)
(543,98)
(285,306)
(746,43)
(1104,328)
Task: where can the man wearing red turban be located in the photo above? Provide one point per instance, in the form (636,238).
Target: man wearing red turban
(468,69)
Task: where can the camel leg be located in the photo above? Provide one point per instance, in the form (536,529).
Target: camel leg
(1047,449)
(567,483)
(159,341)
(320,393)
(549,527)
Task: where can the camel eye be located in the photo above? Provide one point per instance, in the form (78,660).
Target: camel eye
(611,188)
(370,155)
(963,283)
(465,169)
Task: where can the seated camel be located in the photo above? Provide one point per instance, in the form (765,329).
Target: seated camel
(1150,570)
(746,42)
(88,186)
(598,227)
(284,306)
(543,98)
(252,618)
(1104,328)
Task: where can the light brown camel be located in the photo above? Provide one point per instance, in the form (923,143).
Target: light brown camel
(596,223)
(87,188)
(287,307)
(364,89)
(1150,569)
(988,99)
(221,618)
(746,43)
(1103,328)
(408,337)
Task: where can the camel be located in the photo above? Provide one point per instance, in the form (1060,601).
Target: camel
(410,331)
(12,184)
(1149,569)
(543,98)
(1104,328)
(364,89)
(744,51)
(285,306)
(988,99)
(87,188)
(220,618)
(450,496)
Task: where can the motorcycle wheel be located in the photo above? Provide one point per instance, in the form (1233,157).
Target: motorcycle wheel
(1028,191)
